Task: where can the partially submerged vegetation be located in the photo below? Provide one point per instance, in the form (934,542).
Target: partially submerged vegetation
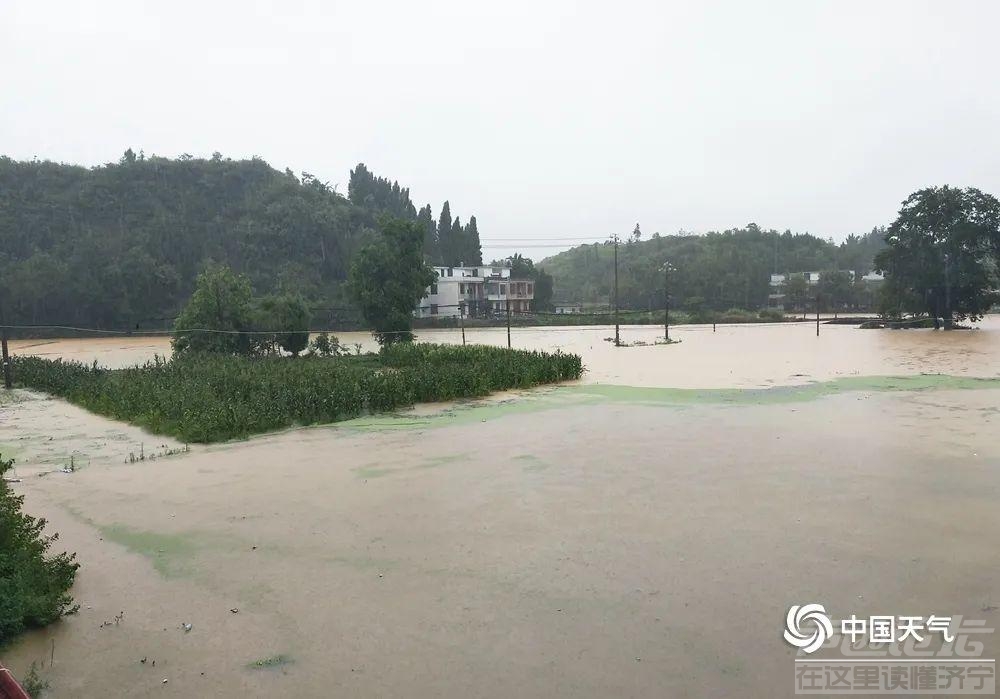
(272,661)
(211,398)
(34,587)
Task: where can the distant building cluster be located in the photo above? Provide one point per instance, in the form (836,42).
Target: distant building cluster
(568,308)
(475,292)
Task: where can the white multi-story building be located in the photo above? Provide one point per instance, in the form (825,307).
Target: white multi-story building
(475,292)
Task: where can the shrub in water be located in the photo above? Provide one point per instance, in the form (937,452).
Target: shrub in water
(34,587)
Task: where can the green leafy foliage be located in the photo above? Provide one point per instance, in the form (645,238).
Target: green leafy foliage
(34,587)
(326,345)
(522,267)
(223,317)
(942,255)
(389,277)
(289,315)
(210,398)
(221,303)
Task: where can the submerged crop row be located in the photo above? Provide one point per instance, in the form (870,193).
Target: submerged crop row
(214,398)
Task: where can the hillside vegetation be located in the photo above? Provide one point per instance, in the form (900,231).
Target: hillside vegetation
(119,246)
(717,270)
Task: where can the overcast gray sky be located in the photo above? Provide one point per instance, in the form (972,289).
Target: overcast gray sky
(544,119)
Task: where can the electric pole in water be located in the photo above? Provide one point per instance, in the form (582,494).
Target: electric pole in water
(461,320)
(618,342)
(8,381)
(817,314)
(947,293)
(666,300)
(508,313)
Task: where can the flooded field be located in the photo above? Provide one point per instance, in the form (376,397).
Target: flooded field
(747,355)
(639,533)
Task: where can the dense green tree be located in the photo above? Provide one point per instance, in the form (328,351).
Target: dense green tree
(522,267)
(288,315)
(379,194)
(425,219)
(835,289)
(457,257)
(446,238)
(940,258)
(473,246)
(797,292)
(388,278)
(34,587)
(543,291)
(217,315)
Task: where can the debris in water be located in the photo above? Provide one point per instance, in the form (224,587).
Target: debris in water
(186,627)
(234,610)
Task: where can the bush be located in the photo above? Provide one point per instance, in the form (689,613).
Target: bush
(34,588)
(210,398)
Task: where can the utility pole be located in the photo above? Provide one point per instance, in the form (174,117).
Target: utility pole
(666,301)
(461,320)
(508,313)
(8,380)
(817,314)
(947,292)
(618,342)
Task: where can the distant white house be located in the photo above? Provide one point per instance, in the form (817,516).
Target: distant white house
(565,308)
(475,292)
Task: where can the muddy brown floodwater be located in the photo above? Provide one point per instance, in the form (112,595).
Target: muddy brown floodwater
(639,533)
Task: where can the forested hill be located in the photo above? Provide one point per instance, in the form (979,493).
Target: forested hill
(717,270)
(120,245)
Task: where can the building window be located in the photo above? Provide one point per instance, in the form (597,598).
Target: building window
(531,289)
(434,309)
(461,288)
(451,272)
(434,289)
(503,289)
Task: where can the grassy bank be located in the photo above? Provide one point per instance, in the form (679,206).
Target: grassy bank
(213,398)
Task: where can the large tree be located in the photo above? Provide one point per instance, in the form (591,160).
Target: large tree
(218,315)
(425,219)
(287,315)
(797,291)
(474,248)
(522,267)
(940,257)
(446,239)
(388,278)
(836,289)
(457,256)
